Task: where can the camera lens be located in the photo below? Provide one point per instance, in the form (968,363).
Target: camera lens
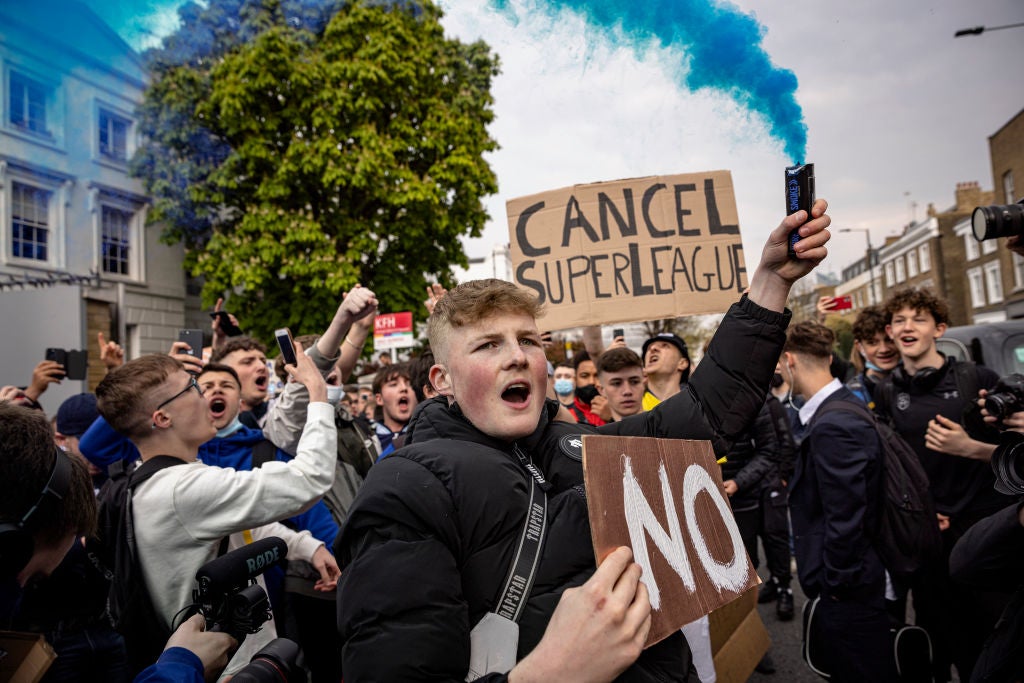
(990,222)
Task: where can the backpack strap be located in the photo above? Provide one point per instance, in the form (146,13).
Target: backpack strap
(967,384)
(263,452)
(150,467)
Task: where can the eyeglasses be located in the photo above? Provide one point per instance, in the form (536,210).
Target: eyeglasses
(192,384)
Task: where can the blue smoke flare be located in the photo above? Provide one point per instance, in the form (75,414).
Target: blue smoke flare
(722,47)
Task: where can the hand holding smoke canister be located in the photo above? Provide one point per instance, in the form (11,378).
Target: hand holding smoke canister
(799,195)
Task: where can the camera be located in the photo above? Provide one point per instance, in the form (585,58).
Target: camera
(228,595)
(275,663)
(1006,397)
(990,222)
(1008,463)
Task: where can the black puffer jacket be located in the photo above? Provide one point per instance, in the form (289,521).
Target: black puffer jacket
(751,462)
(431,535)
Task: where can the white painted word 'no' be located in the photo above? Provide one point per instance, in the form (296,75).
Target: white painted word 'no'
(640,517)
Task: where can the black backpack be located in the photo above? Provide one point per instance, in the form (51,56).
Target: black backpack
(128,603)
(908,539)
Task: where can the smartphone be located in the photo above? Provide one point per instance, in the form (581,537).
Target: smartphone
(194,338)
(226,326)
(842,303)
(799,195)
(77,366)
(59,356)
(287,346)
(618,332)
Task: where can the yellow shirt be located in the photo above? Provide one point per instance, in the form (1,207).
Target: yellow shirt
(650,400)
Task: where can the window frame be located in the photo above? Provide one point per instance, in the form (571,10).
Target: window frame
(993,281)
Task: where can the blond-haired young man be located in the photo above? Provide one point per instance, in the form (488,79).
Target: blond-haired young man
(431,536)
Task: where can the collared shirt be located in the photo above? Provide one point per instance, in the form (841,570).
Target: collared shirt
(811,407)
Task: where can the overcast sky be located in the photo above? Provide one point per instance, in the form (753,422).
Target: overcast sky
(897,110)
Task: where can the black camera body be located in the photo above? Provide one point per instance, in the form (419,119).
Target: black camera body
(990,222)
(1006,397)
(237,613)
(227,593)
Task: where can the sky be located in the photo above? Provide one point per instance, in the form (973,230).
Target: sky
(896,110)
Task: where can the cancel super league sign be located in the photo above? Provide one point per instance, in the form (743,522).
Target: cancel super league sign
(663,498)
(657,247)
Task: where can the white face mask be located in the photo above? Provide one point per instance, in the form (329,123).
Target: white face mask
(334,394)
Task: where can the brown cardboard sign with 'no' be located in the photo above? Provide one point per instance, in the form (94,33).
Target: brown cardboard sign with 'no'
(628,250)
(663,498)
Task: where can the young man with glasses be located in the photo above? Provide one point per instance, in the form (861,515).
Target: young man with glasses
(182,513)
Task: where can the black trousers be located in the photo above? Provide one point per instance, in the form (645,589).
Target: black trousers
(770,521)
(855,641)
(958,618)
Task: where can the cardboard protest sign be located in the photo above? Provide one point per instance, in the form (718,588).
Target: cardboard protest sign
(663,498)
(629,250)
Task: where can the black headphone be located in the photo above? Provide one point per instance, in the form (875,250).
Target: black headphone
(924,379)
(16,542)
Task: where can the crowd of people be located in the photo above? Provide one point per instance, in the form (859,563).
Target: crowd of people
(405,503)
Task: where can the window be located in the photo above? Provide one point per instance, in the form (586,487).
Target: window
(115,242)
(1018,270)
(989,246)
(994,281)
(890,279)
(925,257)
(114,136)
(30,222)
(911,263)
(1008,190)
(901,273)
(971,246)
(977,286)
(27,104)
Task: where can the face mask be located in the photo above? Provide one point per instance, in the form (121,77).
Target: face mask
(563,387)
(586,394)
(230,429)
(777,380)
(334,394)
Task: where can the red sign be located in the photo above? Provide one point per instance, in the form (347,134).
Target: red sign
(391,323)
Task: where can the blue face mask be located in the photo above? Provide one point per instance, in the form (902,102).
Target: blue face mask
(230,429)
(563,387)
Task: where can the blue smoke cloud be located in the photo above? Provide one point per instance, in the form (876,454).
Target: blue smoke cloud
(722,46)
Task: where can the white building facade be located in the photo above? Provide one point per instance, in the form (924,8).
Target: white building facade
(76,257)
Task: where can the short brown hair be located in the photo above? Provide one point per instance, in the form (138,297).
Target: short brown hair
(390,372)
(870,322)
(124,397)
(810,339)
(27,453)
(220,367)
(617,359)
(917,299)
(243,343)
(472,302)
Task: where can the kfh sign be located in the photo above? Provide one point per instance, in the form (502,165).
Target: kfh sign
(392,331)
(640,249)
(663,498)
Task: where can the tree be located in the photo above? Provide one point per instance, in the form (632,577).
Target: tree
(297,149)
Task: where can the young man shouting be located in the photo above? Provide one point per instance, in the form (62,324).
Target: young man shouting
(432,534)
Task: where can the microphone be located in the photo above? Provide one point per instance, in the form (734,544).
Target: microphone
(233,571)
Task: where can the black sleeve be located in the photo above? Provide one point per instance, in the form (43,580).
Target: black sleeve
(766,452)
(845,450)
(991,553)
(401,611)
(727,389)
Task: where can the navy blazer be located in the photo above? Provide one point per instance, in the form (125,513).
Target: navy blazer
(835,502)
